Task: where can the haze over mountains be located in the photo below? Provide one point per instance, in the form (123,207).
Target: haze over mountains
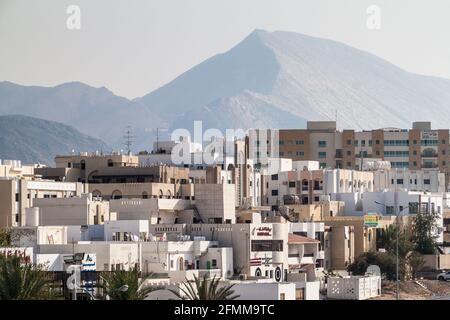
(34,140)
(270,79)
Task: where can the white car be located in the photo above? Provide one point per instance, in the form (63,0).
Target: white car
(444,276)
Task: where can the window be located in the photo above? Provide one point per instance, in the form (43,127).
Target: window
(389,209)
(322,155)
(443,142)
(363,143)
(399,181)
(214,263)
(349,153)
(396,153)
(274,177)
(275,192)
(322,144)
(281,142)
(414,141)
(396,142)
(349,142)
(377,142)
(426,181)
(299,142)
(110,163)
(267,245)
(413,207)
(282,296)
(291,184)
(17,197)
(300,153)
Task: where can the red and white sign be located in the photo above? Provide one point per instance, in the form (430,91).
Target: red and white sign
(263,231)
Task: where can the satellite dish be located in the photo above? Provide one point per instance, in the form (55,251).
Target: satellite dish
(373,270)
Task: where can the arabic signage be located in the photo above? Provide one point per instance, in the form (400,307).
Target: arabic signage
(263,231)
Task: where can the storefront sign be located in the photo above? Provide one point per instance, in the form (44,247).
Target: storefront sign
(371,220)
(263,231)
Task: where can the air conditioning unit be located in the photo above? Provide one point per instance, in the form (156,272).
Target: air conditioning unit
(243,276)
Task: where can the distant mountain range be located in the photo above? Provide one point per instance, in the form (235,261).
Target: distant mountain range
(34,140)
(270,79)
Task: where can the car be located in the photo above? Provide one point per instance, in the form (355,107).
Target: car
(444,276)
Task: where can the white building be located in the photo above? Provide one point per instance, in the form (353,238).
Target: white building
(393,203)
(82,210)
(430,180)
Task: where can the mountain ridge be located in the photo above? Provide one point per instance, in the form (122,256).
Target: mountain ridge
(274,79)
(34,140)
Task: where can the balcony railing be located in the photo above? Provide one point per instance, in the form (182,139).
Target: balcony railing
(429,154)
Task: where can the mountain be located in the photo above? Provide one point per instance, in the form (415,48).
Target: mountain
(270,79)
(94,111)
(34,140)
(282,79)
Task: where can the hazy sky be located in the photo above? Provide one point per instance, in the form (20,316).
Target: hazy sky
(133,47)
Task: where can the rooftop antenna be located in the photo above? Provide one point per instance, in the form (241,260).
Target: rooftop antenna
(128,139)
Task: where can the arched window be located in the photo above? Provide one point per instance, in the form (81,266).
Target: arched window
(169,194)
(180,264)
(110,163)
(144,195)
(117,194)
(96,194)
(161,194)
(83,165)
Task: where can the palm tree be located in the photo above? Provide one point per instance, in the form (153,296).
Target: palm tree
(204,289)
(22,281)
(387,238)
(126,285)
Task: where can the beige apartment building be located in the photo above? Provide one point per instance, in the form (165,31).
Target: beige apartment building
(18,194)
(417,148)
(111,168)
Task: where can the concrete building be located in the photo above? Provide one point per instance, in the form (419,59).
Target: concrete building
(418,148)
(18,194)
(430,180)
(108,191)
(154,210)
(263,290)
(83,210)
(307,187)
(216,203)
(15,169)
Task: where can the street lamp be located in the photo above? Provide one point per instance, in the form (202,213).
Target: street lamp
(396,248)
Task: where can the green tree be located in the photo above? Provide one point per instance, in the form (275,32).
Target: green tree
(5,237)
(416,263)
(204,289)
(386,237)
(424,232)
(23,281)
(384,260)
(137,290)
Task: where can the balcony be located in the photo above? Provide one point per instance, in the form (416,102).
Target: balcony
(429,154)
(429,165)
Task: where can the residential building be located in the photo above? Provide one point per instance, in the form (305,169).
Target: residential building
(18,194)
